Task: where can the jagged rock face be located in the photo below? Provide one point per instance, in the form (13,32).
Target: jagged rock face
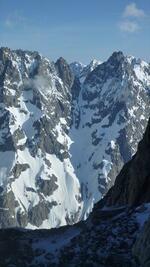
(64,72)
(82,71)
(62,139)
(89,68)
(132,185)
(77,68)
(38,184)
(109,117)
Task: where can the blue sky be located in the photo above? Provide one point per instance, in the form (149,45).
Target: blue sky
(77,29)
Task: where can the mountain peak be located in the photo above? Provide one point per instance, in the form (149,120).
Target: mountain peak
(93,64)
(64,71)
(116,56)
(4,52)
(61,60)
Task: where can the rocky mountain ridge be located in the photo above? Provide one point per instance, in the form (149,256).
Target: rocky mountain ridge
(57,154)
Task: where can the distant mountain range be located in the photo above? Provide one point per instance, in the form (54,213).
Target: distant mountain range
(65,133)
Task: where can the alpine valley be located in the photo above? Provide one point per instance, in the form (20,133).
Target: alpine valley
(65,133)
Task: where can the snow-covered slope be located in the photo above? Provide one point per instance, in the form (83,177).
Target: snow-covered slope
(117,232)
(81,71)
(39,187)
(64,139)
(110,116)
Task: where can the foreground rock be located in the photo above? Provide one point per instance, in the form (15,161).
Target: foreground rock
(104,240)
(141,248)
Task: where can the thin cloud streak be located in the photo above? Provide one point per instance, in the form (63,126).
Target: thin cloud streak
(129,26)
(14,19)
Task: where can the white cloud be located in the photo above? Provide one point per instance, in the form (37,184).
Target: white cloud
(129,26)
(14,19)
(130,18)
(132,10)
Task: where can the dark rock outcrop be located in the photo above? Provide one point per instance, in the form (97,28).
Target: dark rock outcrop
(132,185)
(64,72)
(141,248)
